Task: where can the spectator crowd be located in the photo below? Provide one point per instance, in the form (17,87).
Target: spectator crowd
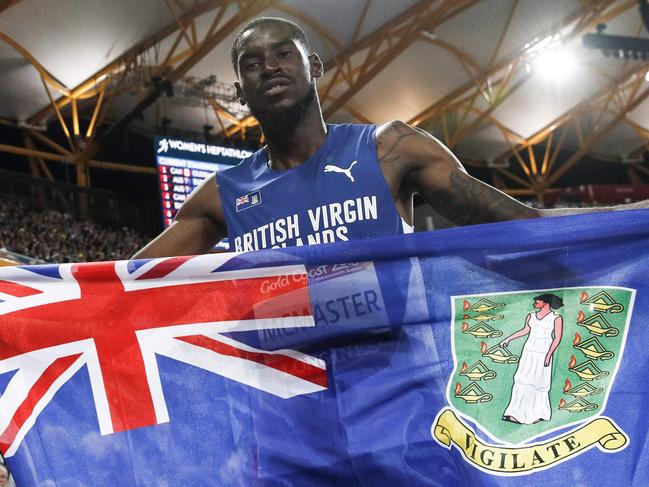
(53,236)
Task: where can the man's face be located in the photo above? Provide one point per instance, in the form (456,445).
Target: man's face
(275,71)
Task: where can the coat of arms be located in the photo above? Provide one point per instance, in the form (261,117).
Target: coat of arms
(533,371)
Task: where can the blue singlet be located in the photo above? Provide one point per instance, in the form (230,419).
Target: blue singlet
(338,194)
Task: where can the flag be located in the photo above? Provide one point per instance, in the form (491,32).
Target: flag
(428,359)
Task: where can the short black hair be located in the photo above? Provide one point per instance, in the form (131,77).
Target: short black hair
(553,300)
(296,32)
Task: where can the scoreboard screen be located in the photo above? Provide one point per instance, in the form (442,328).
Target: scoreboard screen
(183,165)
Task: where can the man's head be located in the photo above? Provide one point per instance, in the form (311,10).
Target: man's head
(295,31)
(276,72)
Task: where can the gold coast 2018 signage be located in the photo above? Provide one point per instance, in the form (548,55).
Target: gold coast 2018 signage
(533,371)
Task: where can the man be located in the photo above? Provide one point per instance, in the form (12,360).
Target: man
(317,183)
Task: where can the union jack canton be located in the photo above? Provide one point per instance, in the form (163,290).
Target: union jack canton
(115,317)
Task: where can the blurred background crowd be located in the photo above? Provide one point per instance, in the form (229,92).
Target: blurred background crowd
(53,236)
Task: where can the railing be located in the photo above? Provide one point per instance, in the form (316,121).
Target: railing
(9,257)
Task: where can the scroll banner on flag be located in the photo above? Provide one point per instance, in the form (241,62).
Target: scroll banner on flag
(504,354)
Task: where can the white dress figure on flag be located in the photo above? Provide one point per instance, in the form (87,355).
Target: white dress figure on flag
(530,399)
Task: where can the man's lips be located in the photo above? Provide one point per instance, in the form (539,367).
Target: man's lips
(275,86)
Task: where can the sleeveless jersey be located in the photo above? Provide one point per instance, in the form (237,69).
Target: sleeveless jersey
(338,194)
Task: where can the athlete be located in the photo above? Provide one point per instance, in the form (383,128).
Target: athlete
(317,183)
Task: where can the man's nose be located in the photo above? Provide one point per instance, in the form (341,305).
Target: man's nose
(272,63)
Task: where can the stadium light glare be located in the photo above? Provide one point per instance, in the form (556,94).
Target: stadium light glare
(555,64)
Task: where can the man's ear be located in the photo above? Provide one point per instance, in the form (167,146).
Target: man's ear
(317,68)
(240,97)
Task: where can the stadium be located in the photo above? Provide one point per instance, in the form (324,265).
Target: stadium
(356,242)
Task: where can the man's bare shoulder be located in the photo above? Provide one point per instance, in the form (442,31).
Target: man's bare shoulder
(392,134)
(410,147)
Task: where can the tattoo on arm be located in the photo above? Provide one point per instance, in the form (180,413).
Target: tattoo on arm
(467,201)
(388,143)
(463,200)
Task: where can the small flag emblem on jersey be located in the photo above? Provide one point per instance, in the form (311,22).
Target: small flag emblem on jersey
(247,200)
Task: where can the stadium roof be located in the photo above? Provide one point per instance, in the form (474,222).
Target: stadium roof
(506,84)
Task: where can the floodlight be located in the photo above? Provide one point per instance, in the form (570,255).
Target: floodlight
(556,64)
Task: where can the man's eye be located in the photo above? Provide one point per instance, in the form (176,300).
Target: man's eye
(252,65)
(284,54)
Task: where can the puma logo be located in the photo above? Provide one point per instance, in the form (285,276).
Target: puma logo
(347,172)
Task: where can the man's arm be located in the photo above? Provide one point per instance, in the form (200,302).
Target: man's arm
(430,169)
(573,211)
(198,226)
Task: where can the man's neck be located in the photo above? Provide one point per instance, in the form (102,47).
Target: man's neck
(290,149)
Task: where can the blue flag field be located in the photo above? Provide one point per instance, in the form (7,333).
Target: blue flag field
(509,354)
